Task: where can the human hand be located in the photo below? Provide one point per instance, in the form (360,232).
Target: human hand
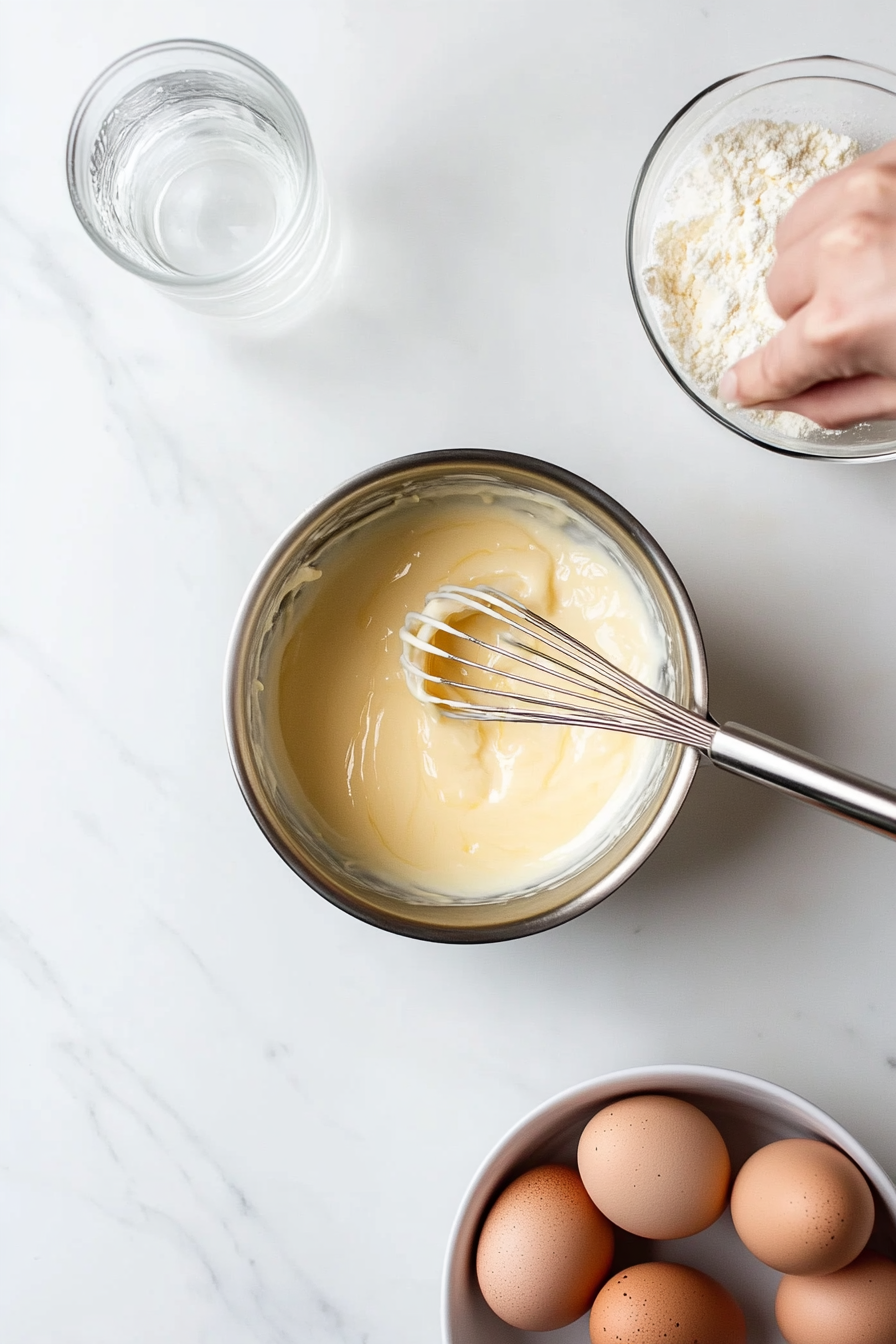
(834,284)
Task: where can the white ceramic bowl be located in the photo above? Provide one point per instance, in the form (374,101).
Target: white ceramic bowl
(749,1113)
(846,96)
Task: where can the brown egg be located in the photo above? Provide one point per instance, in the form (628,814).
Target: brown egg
(855,1305)
(544,1250)
(656,1303)
(802,1207)
(656,1166)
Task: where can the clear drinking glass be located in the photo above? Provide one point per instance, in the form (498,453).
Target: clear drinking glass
(191,165)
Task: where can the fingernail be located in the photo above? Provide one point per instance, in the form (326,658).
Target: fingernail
(728,386)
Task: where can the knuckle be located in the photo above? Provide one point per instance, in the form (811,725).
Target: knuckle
(860,232)
(870,184)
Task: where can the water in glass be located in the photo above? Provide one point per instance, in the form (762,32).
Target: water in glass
(191,178)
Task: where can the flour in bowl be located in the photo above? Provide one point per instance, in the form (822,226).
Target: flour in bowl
(714,245)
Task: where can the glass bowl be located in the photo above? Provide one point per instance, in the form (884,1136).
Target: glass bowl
(845,96)
(748,1111)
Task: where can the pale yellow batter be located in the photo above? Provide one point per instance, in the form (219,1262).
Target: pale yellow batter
(450,809)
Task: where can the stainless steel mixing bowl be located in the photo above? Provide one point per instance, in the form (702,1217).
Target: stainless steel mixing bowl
(291,828)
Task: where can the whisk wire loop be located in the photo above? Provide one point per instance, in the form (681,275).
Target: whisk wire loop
(532,672)
(583,688)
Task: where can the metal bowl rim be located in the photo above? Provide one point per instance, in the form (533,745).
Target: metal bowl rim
(234,669)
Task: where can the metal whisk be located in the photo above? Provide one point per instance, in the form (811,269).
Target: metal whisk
(529,671)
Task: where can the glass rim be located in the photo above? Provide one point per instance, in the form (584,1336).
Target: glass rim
(887,451)
(177,279)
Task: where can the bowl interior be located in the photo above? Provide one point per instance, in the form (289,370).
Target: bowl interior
(844,96)
(748,1112)
(272,798)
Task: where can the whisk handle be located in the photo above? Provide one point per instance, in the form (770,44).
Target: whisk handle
(756,756)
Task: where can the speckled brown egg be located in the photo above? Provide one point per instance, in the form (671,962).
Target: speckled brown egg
(855,1305)
(655,1303)
(544,1250)
(656,1166)
(802,1207)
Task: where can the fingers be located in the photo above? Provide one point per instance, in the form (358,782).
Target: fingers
(834,284)
(809,211)
(797,358)
(858,202)
(847,402)
(848,259)
(793,278)
(857,187)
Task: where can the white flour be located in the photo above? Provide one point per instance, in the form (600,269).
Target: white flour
(714,245)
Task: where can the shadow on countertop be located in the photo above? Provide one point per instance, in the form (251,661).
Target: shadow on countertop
(724,815)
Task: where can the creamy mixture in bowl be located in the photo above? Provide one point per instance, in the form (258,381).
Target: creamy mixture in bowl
(458,830)
(446,809)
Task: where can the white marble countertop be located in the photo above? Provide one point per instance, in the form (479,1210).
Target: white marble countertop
(231,1113)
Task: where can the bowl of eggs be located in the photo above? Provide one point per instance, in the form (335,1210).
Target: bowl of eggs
(701,228)
(677,1202)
